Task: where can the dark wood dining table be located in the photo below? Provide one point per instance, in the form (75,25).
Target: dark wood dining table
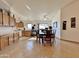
(42,36)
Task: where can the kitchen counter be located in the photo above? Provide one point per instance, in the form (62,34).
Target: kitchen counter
(9,30)
(8,36)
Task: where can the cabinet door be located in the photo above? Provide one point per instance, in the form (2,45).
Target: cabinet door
(12,21)
(16,37)
(0,18)
(26,33)
(0,42)
(4,41)
(5,19)
(10,39)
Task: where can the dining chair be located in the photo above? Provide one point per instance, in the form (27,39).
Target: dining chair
(48,38)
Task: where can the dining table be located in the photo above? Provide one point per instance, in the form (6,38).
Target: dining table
(41,36)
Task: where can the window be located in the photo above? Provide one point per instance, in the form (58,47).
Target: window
(29,26)
(43,26)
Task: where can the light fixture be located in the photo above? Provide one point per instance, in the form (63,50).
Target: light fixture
(27,7)
(45,18)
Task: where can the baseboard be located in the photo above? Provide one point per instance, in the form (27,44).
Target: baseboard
(70,41)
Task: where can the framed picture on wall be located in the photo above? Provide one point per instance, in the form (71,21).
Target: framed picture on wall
(73,22)
(64,25)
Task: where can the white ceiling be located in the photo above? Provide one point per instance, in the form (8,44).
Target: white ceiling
(38,7)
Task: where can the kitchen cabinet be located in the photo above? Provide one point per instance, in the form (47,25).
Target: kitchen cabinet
(3,42)
(8,39)
(5,18)
(16,37)
(26,33)
(11,39)
(20,25)
(12,21)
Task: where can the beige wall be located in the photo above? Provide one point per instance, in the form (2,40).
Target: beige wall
(71,10)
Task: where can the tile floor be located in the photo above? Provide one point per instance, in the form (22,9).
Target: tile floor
(29,48)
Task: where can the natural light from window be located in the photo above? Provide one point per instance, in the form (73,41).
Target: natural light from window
(29,26)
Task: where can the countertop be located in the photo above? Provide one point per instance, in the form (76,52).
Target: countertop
(8,30)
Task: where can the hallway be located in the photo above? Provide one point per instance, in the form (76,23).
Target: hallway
(29,48)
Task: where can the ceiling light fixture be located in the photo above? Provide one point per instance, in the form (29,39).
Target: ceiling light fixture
(45,17)
(27,7)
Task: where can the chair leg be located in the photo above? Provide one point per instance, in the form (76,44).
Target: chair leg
(44,43)
(50,42)
(36,39)
(39,40)
(53,40)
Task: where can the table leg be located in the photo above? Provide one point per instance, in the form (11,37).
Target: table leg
(42,40)
(39,40)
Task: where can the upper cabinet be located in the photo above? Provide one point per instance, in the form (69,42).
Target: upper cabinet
(6,19)
(1,17)
(20,25)
(12,21)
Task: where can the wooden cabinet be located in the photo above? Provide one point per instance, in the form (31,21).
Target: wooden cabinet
(20,25)
(1,17)
(16,37)
(26,33)
(12,21)
(8,39)
(5,18)
(3,42)
(11,39)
